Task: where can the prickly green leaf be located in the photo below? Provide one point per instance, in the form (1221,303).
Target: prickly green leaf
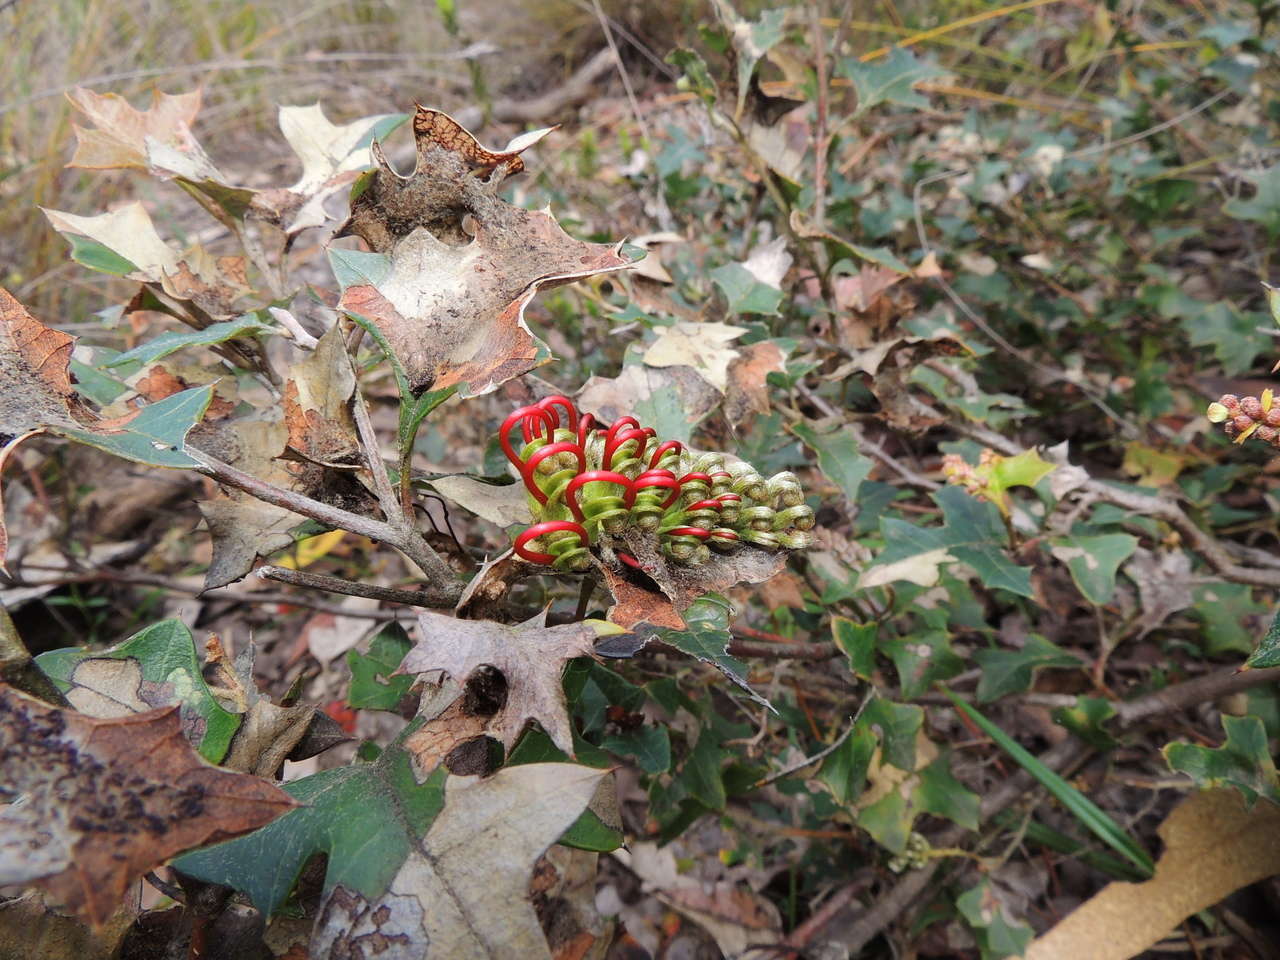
(1244,761)
(365,817)
(1229,615)
(897,726)
(157,434)
(706,637)
(888,820)
(1013,671)
(838,457)
(998,934)
(372,685)
(172,341)
(1086,720)
(941,794)
(156,667)
(1268,652)
(890,79)
(1231,333)
(858,642)
(701,773)
(922,660)
(744,292)
(972,533)
(650,746)
(1094,560)
(844,770)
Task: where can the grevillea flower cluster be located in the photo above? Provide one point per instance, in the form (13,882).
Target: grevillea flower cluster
(1245,417)
(587,482)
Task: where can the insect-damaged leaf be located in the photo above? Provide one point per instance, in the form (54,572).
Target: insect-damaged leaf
(444,863)
(317,403)
(156,667)
(454,266)
(530,655)
(101,802)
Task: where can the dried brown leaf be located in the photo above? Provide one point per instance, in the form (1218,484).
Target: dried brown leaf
(1213,847)
(746,391)
(530,655)
(158,139)
(317,398)
(104,801)
(464,264)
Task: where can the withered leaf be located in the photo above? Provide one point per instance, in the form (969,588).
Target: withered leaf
(454,265)
(103,801)
(33,367)
(242,527)
(463,892)
(747,391)
(530,655)
(212,284)
(158,139)
(317,399)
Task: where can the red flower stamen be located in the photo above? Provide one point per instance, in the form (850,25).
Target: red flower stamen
(522,416)
(613,442)
(724,534)
(547,526)
(542,453)
(629,560)
(704,505)
(591,476)
(704,477)
(585,425)
(653,479)
(571,412)
(675,445)
(688,532)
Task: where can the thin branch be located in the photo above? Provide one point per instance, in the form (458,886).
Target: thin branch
(287,320)
(387,498)
(317,581)
(1180,696)
(410,543)
(782,651)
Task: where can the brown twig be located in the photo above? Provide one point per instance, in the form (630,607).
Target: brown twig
(782,651)
(408,542)
(319,581)
(1180,696)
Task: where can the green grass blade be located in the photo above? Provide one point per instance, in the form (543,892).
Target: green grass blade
(1084,809)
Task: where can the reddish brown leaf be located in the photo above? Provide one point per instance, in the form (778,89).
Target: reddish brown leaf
(747,392)
(634,604)
(463,263)
(316,403)
(104,801)
(33,368)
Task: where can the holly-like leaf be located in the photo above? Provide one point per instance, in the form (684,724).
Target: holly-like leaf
(100,802)
(1244,761)
(890,79)
(157,435)
(857,641)
(922,659)
(745,292)
(243,527)
(706,638)
(650,746)
(998,934)
(531,656)
(972,533)
(454,266)
(1013,671)
(212,284)
(1094,560)
(1231,333)
(158,139)
(1264,206)
(703,346)
(373,685)
(317,398)
(751,41)
(33,367)
(1268,652)
(838,457)
(156,667)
